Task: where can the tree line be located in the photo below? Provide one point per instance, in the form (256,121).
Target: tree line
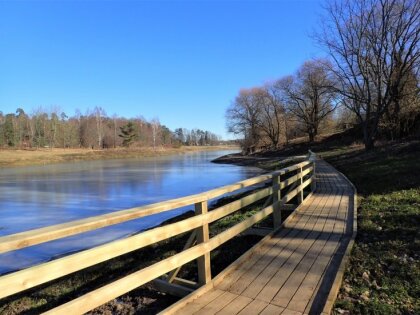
(370,73)
(94,129)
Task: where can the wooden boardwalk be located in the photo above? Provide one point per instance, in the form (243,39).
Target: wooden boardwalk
(296,270)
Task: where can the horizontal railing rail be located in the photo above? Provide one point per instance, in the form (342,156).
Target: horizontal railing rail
(53,232)
(296,179)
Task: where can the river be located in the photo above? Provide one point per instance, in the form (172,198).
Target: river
(37,196)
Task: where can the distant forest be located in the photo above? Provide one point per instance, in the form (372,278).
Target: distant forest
(54,129)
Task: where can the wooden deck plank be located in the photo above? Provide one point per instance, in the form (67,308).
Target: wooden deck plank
(255,307)
(241,278)
(234,282)
(255,268)
(201,302)
(235,306)
(293,284)
(279,256)
(283,272)
(217,304)
(290,312)
(272,310)
(327,276)
(329,272)
(306,289)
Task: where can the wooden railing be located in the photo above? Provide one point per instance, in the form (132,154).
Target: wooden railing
(279,188)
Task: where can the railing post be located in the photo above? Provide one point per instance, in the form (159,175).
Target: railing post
(300,194)
(312,158)
(313,182)
(203,262)
(276,202)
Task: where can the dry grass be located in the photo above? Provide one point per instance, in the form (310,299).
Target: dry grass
(9,158)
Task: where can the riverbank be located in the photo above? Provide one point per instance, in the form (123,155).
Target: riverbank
(266,162)
(383,274)
(12,158)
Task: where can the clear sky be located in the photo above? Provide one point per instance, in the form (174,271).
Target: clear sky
(181,61)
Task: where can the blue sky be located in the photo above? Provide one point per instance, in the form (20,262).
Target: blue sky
(181,61)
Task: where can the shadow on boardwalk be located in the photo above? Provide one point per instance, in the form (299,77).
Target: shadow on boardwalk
(293,271)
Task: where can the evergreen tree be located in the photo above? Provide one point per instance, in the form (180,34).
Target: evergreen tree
(9,130)
(128,134)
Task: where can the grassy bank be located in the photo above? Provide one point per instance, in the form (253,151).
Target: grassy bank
(383,276)
(9,158)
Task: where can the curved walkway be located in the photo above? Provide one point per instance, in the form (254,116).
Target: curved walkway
(298,269)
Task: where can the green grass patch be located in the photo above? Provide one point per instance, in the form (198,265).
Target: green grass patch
(383,274)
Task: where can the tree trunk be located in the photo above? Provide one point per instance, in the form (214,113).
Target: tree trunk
(369,144)
(311,136)
(368,138)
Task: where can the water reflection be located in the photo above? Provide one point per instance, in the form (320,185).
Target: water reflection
(37,196)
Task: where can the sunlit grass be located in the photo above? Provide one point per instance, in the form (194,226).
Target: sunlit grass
(383,276)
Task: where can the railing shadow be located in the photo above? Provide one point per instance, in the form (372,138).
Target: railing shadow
(330,273)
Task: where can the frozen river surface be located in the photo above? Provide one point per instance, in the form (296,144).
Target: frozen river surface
(37,196)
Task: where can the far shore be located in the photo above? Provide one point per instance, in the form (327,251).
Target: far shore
(265,161)
(44,156)
(243,160)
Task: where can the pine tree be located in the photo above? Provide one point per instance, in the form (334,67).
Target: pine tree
(9,130)
(128,133)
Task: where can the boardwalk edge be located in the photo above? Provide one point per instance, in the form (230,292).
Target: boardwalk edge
(332,296)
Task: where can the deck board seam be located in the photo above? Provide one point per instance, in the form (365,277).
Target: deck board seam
(319,221)
(285,247)
(323,244)
(305,233)
(331,236)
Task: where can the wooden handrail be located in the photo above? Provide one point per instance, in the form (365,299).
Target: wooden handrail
(36,275)
(53,232)
(108,292)
(33,276)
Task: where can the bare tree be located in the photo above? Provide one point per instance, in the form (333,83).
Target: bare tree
(272,113)
(374,44)
(53,126)
(401,116)
(99,113)
(155,130)
(89,130)
(243,117)
(114,124)
(309,95)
